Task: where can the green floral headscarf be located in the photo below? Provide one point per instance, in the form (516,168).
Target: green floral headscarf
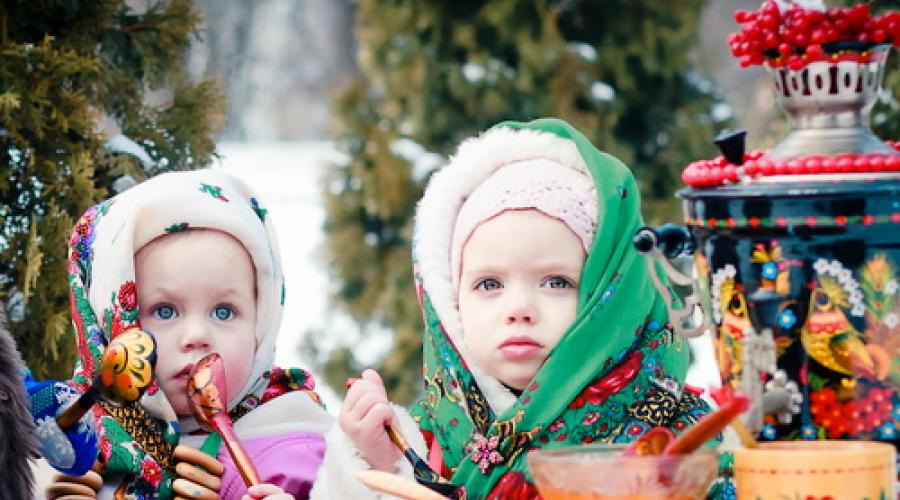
(617,371)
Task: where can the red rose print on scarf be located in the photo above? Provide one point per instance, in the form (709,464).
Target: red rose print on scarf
(613,382)
(128,296)
(513,486)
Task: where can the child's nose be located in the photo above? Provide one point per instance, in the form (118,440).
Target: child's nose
(521,318)
(196,336)
(521,310)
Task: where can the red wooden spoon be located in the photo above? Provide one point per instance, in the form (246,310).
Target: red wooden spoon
(207,393)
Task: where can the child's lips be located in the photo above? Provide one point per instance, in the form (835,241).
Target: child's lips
(521,348)
(184,373)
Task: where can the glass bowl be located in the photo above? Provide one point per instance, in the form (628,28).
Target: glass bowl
(594,472)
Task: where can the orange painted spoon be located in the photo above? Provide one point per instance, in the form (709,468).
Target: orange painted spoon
(707,427)
(662,441)
(207,394)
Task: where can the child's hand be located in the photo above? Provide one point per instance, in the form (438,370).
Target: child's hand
(365,412)
(267,491)
(75,488)
(198,474)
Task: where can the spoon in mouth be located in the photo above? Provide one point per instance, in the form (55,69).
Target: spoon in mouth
(207,395)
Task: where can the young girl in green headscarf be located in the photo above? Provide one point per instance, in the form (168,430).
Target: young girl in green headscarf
(542,324)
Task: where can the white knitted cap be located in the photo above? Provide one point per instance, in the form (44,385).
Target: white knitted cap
(554,189)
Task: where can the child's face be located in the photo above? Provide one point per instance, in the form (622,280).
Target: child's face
(197,295)
(518,292)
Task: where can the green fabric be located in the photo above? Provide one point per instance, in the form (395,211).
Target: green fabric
(617,371)
(211,444)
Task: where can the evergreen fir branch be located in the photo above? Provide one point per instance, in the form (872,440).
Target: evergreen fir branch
(63,65)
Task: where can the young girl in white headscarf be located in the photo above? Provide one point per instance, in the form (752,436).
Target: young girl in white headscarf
(192,258)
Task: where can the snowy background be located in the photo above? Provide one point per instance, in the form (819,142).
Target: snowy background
(287,177)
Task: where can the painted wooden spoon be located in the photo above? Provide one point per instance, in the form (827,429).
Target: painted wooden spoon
(207,392)
(126,370)
(397,486)
(662,441)
(423,473)
(707,427)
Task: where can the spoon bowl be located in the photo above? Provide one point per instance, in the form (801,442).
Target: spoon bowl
(207,393)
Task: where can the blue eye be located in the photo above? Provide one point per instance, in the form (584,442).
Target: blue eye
(223,313)
(488,284)
(559,282)
(164,312)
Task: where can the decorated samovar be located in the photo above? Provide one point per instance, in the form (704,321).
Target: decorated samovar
(798,247)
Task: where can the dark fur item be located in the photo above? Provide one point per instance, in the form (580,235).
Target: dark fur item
(18,442)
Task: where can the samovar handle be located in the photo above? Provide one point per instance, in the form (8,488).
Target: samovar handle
(659,245)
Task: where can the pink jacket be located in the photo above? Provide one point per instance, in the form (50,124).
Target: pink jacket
(289,461)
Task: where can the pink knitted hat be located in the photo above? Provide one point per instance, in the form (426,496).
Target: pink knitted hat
(554,189)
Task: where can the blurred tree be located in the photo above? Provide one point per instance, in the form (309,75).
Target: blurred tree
(66,67)
(886,113)
(433,73)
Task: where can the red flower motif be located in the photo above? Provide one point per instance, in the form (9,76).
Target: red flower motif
(513,486)
(590,418)
(116,327)
(128,296)
(151,471)
(556,425)
(82,230)
(105,448)
(613,382)
(635,429)
(273,391)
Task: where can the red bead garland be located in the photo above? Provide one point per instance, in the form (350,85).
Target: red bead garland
(718,171)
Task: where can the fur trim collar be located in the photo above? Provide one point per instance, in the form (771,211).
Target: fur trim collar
(337,479)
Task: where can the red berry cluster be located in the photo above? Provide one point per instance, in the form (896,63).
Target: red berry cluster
(799,36)
(718,171)
(854,417)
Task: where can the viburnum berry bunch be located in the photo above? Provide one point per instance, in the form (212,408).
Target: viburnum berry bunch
(798,36)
